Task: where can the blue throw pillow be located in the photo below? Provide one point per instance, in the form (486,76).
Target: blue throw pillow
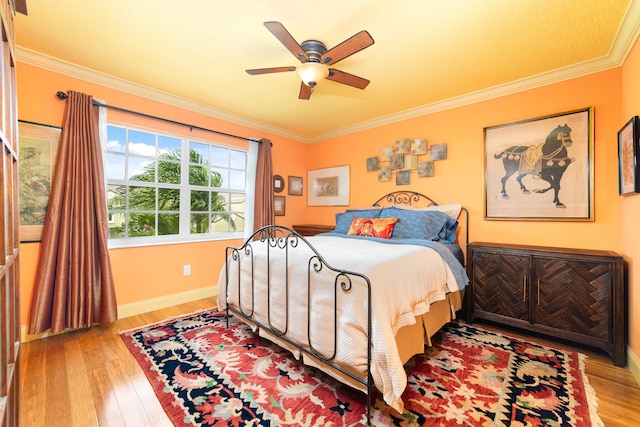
(344,219)
(425,225)
(449,233)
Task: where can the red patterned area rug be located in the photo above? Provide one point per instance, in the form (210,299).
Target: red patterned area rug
(207,375)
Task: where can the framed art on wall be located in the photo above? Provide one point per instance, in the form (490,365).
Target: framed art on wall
(540,169)
(295,186)
(628,147)
(328,187)
(279,205)
(278,184)
(37,152)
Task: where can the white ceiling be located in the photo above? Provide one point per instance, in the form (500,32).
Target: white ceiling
(428,54)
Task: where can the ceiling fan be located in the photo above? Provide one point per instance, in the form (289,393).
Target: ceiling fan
(316,59)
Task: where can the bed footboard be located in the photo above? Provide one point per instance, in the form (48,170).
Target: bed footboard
(267,256)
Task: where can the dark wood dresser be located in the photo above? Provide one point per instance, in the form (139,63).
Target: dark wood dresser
(576,295)
(312,229)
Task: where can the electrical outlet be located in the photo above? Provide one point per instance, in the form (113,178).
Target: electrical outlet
(187,270)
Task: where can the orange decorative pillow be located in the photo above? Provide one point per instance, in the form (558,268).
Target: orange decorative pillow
(372,227)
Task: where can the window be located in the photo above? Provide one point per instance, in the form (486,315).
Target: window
(163,188)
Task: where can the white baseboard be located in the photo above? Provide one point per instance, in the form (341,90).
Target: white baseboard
(634,364)
(135,308)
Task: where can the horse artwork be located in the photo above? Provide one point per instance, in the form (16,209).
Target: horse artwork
(547,161)
(540,169)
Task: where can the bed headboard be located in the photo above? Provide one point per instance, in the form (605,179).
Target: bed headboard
(418,200)
(410,198)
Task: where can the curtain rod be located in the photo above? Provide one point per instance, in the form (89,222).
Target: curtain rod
(39,124)
(63,95)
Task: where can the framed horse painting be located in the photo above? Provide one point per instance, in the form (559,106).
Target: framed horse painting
(540,169)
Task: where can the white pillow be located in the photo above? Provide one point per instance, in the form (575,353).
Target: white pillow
(452,210)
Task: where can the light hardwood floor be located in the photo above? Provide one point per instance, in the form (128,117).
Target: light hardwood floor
(88,378)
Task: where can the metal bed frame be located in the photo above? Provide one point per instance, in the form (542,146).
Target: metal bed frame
(279,239)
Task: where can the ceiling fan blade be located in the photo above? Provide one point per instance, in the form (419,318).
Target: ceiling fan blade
(281,33)
(347,48)
(270,70)
(305,91)
(347,79)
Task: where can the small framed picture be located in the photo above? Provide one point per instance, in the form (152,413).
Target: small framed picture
(328,187)
(295,186)
(403,178)
(372,164)
(278,184)
(386,153)
(279,204)
(403,146)
(628,146)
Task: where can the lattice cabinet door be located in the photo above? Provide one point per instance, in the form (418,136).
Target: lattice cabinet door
(500,283)
(574,296)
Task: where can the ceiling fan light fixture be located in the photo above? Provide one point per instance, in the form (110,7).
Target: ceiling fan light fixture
(311,73)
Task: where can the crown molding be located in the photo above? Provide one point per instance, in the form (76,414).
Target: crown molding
(627,35)
(37,59)
(544,79)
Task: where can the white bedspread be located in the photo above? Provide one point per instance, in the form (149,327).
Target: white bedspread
(405,280)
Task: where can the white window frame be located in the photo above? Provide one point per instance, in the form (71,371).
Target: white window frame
(185,235)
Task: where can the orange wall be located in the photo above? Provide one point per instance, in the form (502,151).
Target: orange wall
(631,203)
(460,177)
(144,273)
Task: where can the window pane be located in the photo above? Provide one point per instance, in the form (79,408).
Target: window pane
(116,225)
(169,145)
(115,166)
(237,222)
(237,202)
(220,223)
(168,172)
(141,170)
(221,178)
(198,175)
(199,223)
(142,225)
(220,156)
(142,143)
(198,153)
(117,231)
(199,201)
(169,199)
(168,224)
(142,198)
(116,197)
(236,180)
(116,139)
(219,202)
(238,159)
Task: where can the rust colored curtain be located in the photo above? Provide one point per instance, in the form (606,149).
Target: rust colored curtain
(74,283)
(263,211)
